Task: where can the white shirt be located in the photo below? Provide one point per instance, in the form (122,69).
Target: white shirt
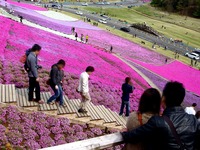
(84,83)
(190,110)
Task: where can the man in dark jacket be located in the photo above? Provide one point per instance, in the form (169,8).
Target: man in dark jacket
(56,77)
(33,74)
(157,133)
(127,88)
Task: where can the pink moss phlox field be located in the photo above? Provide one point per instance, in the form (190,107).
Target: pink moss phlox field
(37,130)
(25,5)
(177,71)
(105,82)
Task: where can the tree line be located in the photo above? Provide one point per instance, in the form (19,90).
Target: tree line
(185,7)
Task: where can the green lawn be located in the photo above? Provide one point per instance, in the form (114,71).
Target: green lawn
(173,29)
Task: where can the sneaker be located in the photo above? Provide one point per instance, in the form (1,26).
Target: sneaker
(82,110)
(41,102)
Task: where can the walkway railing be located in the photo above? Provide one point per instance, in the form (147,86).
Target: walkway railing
(97,143)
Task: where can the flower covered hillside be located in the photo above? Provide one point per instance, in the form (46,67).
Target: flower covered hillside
(105,82)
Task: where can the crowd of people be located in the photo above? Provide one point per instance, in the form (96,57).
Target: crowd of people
(175,128)
(30,60)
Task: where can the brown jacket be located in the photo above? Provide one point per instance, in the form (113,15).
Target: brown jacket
(133,123)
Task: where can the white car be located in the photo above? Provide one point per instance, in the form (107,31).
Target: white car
(84,4)
(79,13)
(192,56)
(104,21)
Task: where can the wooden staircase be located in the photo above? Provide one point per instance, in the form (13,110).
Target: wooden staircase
(99,115)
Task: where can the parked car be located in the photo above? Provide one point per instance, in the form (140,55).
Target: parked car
(84,4)
(106,3)
(100,3)
(192,56)
(79,13)
(197,52)
(125,29)
(102,20)
(106,17)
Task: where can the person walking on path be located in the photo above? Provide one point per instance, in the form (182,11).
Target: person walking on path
(111,49)
(191,110)
(55,81)
(83,88)
(86,39)
(166,60)
(82,38)
(33,74)
(76,36)
(127,88)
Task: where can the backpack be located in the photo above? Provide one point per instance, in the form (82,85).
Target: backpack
(23,60)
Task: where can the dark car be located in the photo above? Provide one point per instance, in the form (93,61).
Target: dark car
(125,29)
(197,52)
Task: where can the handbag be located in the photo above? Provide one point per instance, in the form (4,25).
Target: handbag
(175,134)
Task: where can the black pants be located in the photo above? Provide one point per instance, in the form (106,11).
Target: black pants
(33,84)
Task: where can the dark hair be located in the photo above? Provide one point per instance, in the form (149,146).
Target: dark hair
(150,101)
(198,114)
(36,47)
(174,93)
(89,69)
(61,62)
(194,104)
(127,79)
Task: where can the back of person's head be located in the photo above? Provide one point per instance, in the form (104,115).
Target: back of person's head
(89,69)
(150,101)
(36,47)
(198,115)
(61,62)
(173,94)
(194,105)
(127,79)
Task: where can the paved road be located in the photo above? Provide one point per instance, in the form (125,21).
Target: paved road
(179,47)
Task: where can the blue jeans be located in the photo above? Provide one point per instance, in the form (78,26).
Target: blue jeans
(58,95)
(125,103)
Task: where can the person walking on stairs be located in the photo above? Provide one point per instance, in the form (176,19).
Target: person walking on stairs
(127,88)
(55,81)
(83,88)
(33,74)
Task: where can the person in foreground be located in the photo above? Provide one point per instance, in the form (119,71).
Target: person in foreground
(175,130)
(149,106)
(33,74)
(127,88)
(83,88)
(56,77)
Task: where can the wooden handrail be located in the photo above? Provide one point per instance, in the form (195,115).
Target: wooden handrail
(96,143)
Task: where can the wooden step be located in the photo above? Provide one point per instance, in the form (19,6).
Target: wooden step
(93,112)
(22,99)
(69,107)
(69,110)
(119,121)
(7,93)
(103,111)
(47,107)
(77,103)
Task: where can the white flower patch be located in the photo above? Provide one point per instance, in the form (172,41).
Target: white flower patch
(57,15)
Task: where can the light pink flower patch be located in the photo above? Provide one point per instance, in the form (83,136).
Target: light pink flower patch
(24,5)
